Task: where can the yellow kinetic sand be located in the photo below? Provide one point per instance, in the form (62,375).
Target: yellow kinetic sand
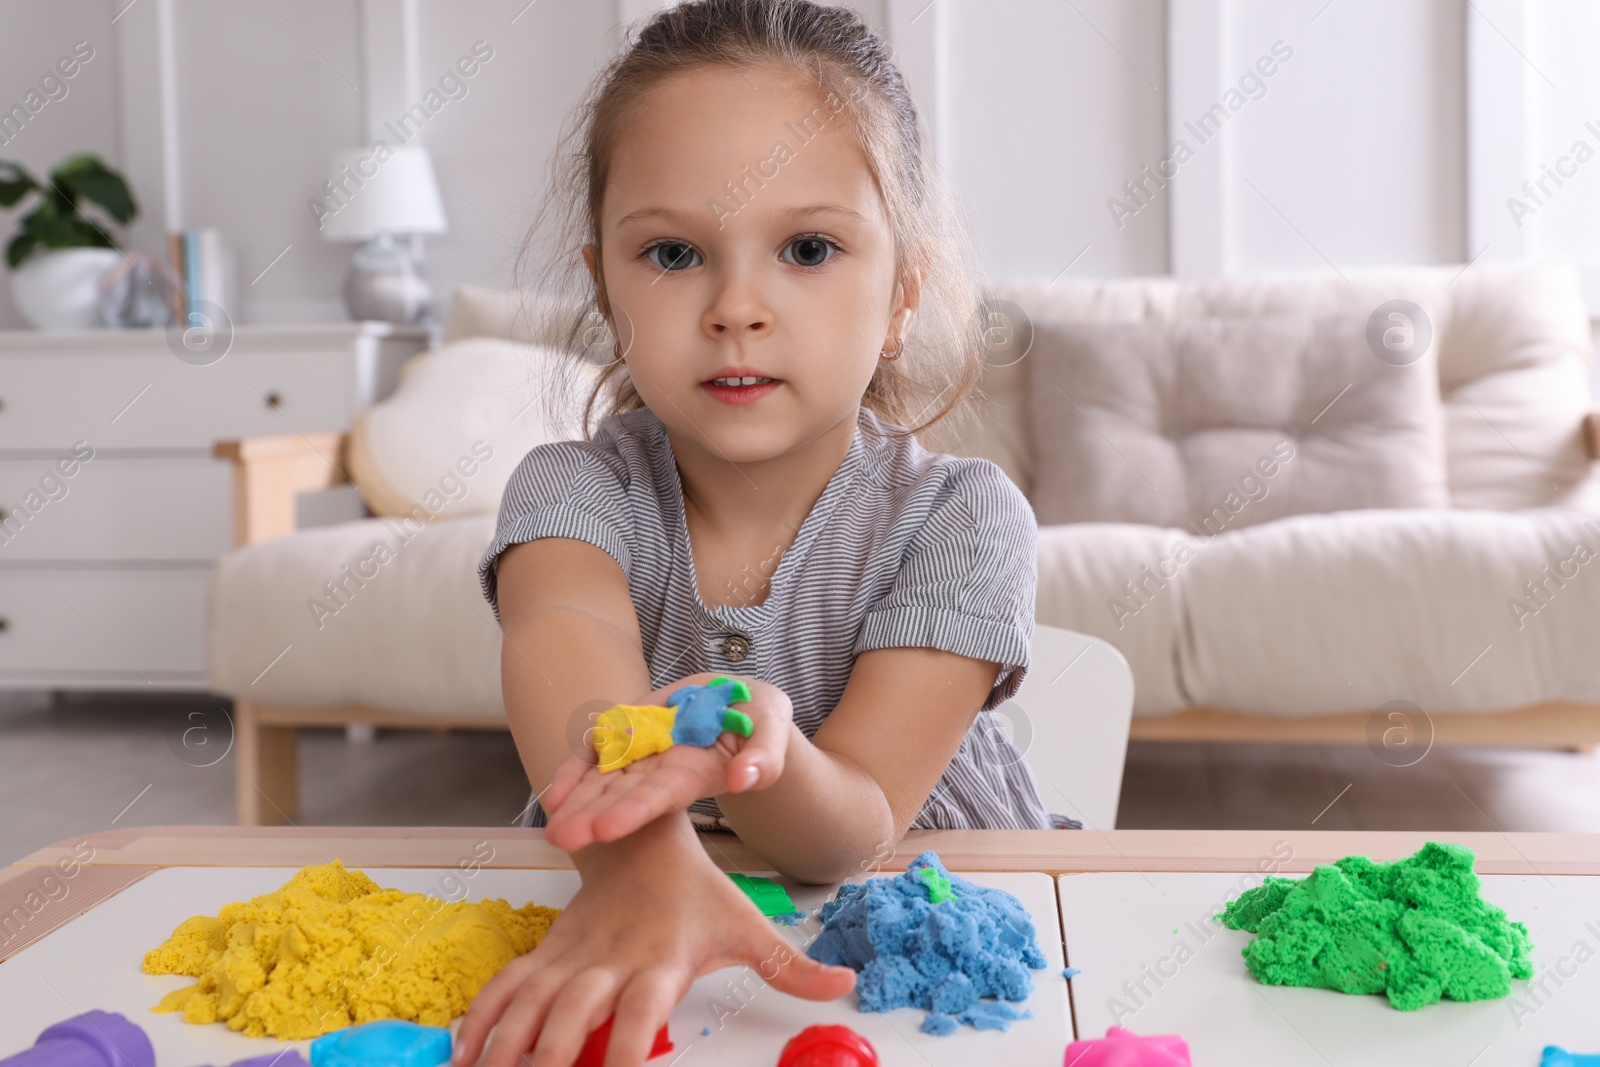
(628,732)
(332,949)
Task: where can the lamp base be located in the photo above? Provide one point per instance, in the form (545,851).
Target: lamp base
(386,284)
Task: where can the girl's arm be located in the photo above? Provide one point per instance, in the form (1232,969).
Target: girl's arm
(840,800)
(571,646)
(856,786)
(653,912)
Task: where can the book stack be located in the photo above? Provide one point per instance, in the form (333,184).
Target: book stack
(205,270)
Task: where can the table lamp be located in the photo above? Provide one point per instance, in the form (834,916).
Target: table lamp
(379,195)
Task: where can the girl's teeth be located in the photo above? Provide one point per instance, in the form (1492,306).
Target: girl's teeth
(746,380)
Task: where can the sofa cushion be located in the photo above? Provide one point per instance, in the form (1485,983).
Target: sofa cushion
(1211,424)
(1515,388)
(382,612)
(1122,583)
(463,416)
(1513,355)
(509,314)
(1452,609)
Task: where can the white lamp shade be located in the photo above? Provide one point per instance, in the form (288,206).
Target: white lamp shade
(373,195)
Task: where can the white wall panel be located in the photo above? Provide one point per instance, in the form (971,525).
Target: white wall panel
(1561,213)
(1354,155)
(491,146)
(267,94)
(1395,134)
(1052,107)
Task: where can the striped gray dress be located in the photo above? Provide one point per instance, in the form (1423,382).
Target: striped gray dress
(905,548)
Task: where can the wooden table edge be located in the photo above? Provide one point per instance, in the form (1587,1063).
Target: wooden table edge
(1049,851)
(53,885)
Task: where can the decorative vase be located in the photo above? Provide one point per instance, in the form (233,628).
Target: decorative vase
(60,289)
(386,284)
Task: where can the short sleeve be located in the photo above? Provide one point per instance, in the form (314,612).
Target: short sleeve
(564,489)
(967,578)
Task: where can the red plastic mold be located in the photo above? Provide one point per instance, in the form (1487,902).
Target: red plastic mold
(594,1049)
(828,1046)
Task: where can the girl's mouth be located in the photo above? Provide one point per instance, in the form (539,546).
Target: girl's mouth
(740,390)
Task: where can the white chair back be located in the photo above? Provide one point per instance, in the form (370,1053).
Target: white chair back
(1070,718)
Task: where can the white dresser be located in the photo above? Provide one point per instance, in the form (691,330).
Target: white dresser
(114,509)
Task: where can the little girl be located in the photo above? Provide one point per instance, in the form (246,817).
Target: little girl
(787,298)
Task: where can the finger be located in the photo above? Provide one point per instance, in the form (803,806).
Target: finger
(571,834)
(512,1035)
(577,829)
(486,1009)
(668,787)
(759,761)
(578,1009)
(628,815)
(571,828)
(785,967)
(642,1009)
(590,784)
(568,775)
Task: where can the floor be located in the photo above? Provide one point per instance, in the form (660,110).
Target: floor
(92,763)
(81,763)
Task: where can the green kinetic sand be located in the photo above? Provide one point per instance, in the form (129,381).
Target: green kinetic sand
(1415,929)
(938,885)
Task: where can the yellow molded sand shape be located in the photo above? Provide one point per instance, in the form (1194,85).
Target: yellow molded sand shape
(627,732)
(331,949)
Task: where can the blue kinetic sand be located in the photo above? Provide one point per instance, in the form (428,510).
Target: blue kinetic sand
(942,957)
(385,1043)
(703,712)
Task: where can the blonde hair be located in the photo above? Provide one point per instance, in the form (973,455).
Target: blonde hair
(941,355)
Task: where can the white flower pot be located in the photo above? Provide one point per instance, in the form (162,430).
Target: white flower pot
(60,290)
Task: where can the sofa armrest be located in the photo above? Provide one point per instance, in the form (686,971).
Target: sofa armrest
(269,472)
(1591,434)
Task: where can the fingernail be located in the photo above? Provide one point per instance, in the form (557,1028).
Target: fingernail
(752,775)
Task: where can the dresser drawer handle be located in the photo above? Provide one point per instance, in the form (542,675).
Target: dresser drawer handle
(274,400)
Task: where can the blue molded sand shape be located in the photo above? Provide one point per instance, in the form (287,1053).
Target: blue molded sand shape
(1556,1056)
(385,1043)
(703,711)
(93,1039)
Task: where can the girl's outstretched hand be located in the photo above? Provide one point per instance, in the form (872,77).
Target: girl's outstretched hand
(586,805)
(653,914)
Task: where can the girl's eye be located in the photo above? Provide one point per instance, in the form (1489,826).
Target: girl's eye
(811,250)
(675,255)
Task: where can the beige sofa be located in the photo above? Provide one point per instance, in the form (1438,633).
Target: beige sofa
(1343,625)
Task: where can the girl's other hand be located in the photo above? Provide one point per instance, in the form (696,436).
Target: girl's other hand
(653,914)
(586,805)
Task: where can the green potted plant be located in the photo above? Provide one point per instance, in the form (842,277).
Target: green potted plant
(59,254)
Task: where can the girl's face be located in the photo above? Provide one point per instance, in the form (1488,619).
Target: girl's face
(742,236)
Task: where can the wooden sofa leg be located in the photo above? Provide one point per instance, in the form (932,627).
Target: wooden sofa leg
(267,772)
